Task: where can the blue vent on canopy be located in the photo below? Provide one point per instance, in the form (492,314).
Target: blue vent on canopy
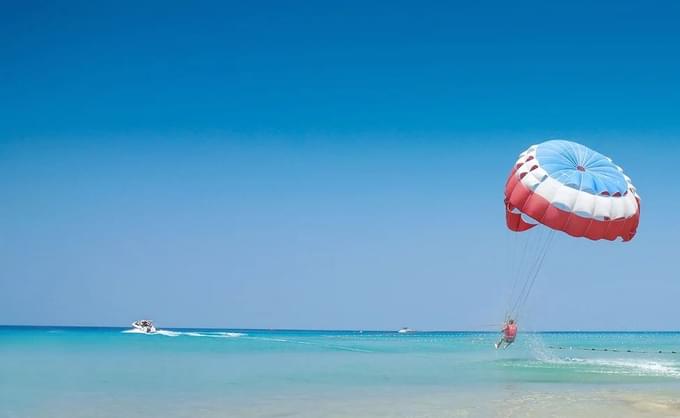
(578,166)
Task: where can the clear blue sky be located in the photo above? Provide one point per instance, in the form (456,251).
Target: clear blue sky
(305,165)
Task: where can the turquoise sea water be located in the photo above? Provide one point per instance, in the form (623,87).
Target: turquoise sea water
(111,372)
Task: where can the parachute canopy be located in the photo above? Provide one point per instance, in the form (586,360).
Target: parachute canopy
(569,187)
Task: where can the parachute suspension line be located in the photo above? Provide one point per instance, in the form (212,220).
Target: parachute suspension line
(526,249)
(521,301)
(510,251)
(517,269)
(526,261)
(517,298)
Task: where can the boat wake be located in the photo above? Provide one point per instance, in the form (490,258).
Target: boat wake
(168,333)
(214,334)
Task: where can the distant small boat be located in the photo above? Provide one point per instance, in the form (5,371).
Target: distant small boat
(145,326)
(406,330)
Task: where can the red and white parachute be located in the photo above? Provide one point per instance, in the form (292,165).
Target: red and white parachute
(571,188)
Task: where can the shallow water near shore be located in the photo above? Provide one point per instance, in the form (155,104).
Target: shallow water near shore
(112,372)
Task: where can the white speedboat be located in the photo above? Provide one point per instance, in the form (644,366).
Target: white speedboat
(406,330)
(145,326)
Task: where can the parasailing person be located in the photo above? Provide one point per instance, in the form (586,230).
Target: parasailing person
(509,333)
